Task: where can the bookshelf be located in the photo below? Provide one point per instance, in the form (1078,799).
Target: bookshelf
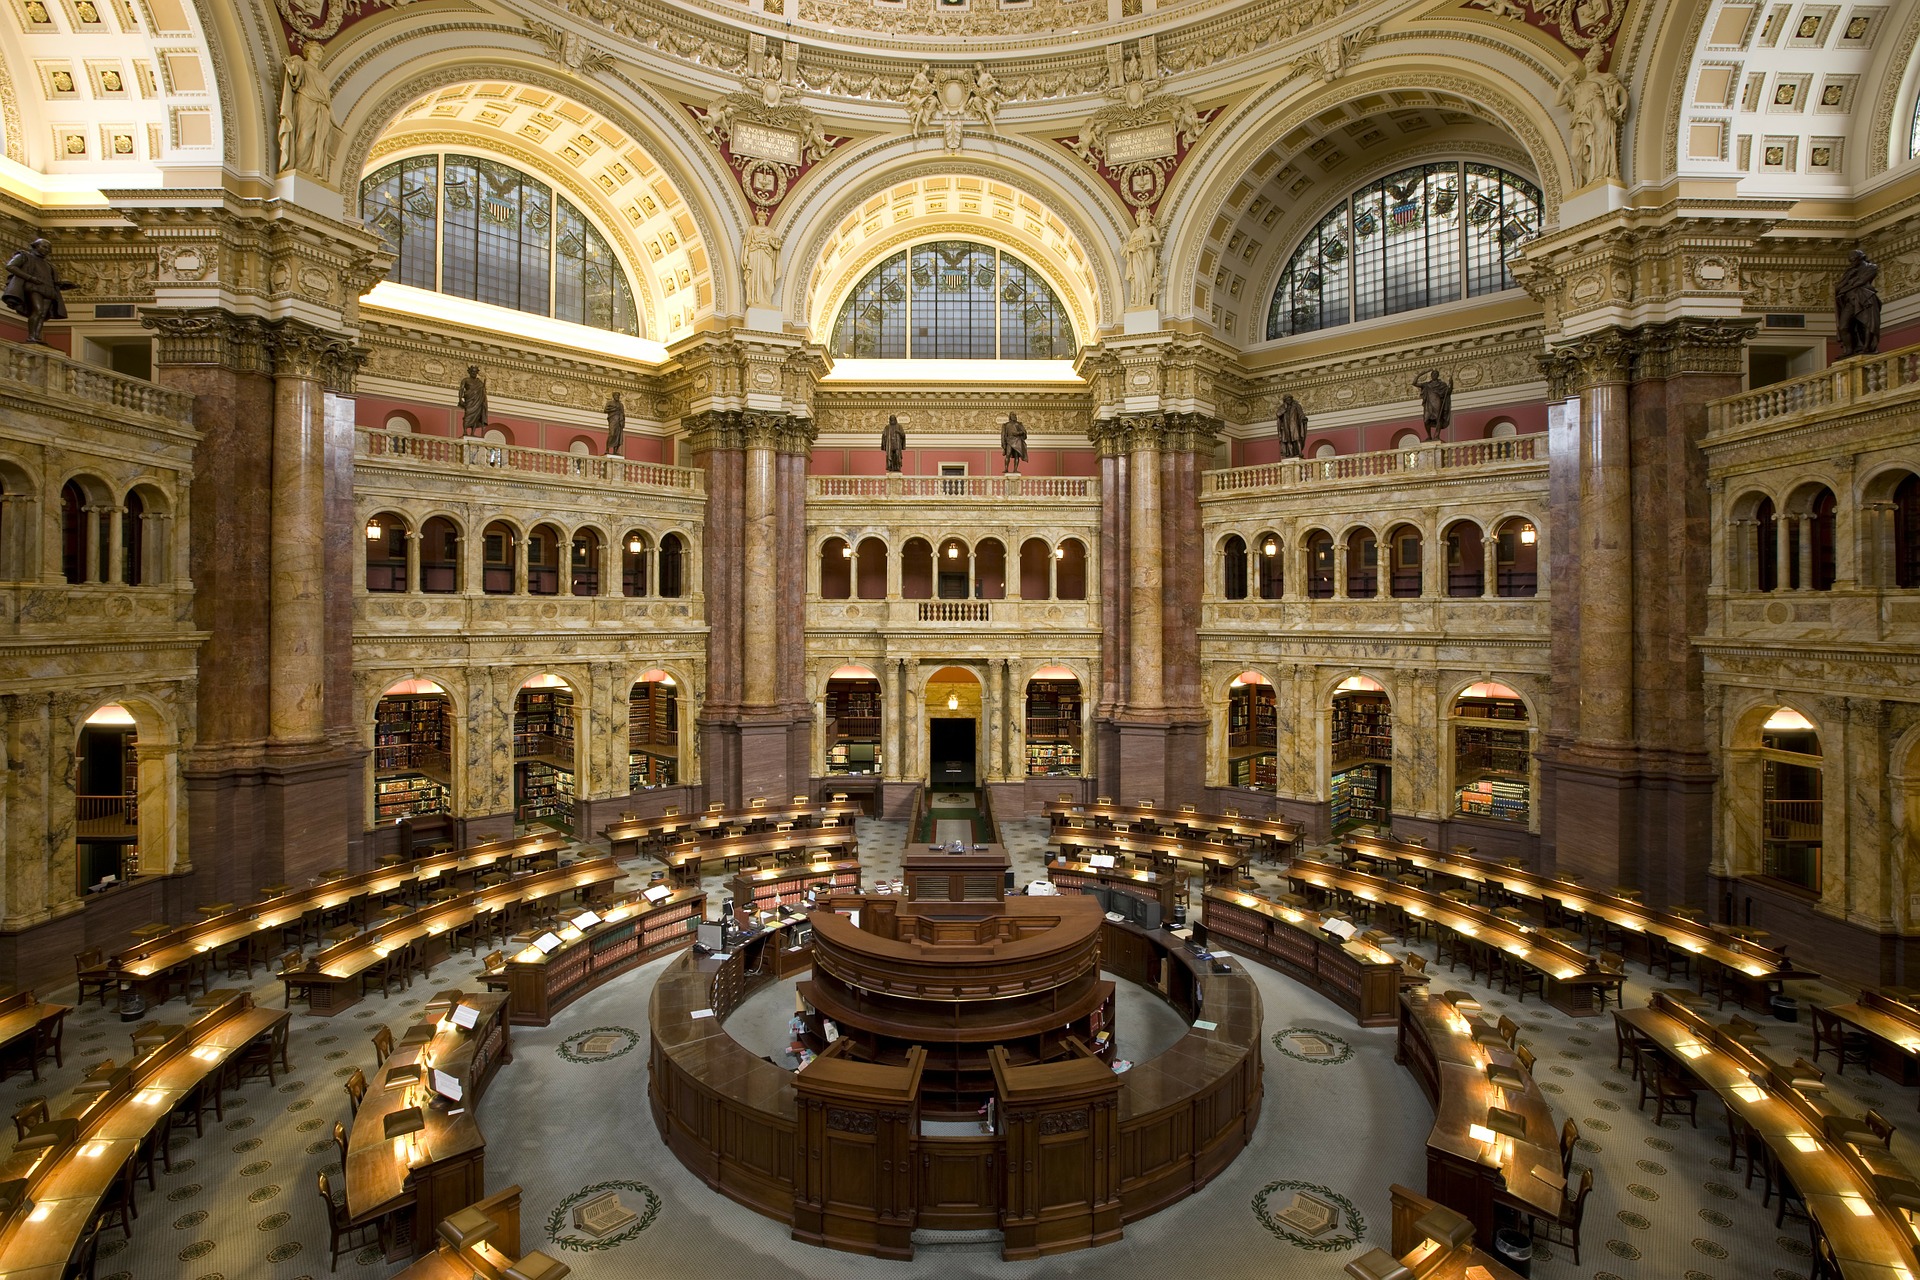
(411,742)
(653,735)
(1362,729)
(543,726)
(853,726)
(1491,759)
(1490,797)
(544,793)
(1359,797)
(1053,729)
(407,795)
(1252,759)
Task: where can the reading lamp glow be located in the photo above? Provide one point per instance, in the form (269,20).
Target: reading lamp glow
(1527,534)
(1271,548)
(634,545)
(373,531)
(953,702)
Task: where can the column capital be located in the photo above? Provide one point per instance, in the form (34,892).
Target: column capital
(210,336)
(715,430)
(303,351)
(1693,346)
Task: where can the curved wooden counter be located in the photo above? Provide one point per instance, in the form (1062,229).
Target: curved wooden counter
(1033,945)
(867,1177)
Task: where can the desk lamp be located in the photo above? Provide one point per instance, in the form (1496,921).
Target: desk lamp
(468,1228)
(1378,1264)
(537,1266)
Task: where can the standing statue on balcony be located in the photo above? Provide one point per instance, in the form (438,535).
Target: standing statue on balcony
(893,443)
(33,289)
(1436,402)
(473,403)
(1013,443)
(616,425)
(1856,307)
(1291,423)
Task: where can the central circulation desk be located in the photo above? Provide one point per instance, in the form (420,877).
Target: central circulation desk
(630,933)
(440,1169)
(1438,1042)
(1571,975)
(1360,978)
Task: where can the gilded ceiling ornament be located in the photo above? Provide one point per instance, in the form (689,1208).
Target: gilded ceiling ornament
(1335,54)
(1587,27)
(307,21)
(569,49)
(950,99)
(767,136)
(1139,139)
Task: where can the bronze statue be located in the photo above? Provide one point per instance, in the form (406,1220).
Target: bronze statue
(1436,402)
(1013,443)
(473,403)
(893,442)
(1291,423)
(33,288)
(616,425)
(1856,307)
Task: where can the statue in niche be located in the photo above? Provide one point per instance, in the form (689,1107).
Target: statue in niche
(1143,260)
(759,264)
(1291,423)
(1436,402)
(1856,307)
(33,288)
(306,116)
(1013,443)
(1596,103)
(473,403)
(616,425)
(893,442)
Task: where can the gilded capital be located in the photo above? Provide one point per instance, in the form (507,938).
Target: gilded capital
(714,430)
(210,336)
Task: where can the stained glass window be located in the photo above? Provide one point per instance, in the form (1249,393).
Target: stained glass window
(1417,238)
(479,229)
(954,300)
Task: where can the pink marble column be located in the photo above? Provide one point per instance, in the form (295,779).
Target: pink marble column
(1606,556)
(296,620)
(760,614)
(1145,657)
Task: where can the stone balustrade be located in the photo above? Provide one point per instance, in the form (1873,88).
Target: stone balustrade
(1858,382)
(66,379)
(480,457)
(1424,461)
(921,488)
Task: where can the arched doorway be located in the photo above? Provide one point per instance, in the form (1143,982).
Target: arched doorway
(1252,739)
(544,753)
(1053,724)
(853,718)
(1792,813)
(412,753)
(1492,755)
(954,705)
(1360,777)
(106,783)
(653,731)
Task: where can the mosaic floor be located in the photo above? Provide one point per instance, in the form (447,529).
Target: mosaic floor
(568,1121)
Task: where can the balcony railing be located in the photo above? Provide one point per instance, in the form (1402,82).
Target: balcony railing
(1863,378)
(998,487)
(466,453)
(67,379)
(955,611)
(1419,461)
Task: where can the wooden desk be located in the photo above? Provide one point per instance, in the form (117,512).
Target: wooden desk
(1437,1043)
(634,836)
(24,1018)
(447,1171)
(684,861)
(1425,1258)
(1837,1178)
(629,934)
(1222,862)
(100,1130)
(1148,886)
(1571,975)
(1893,1027)
(1759,972)
(331,979)
(1362,979)
(758,891)
(1274,833)
(976,873)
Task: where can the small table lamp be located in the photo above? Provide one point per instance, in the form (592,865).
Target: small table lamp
(1378,1264)
(537,1266)
(467,1228)
(1444,1227)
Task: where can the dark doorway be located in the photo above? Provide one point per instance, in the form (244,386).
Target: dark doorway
(950,753)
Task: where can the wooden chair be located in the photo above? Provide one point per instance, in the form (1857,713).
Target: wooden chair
(262,1054)
(356,1088)
(82,1264)
(1628,1044)
(340,1141)
(33,1113)
(90,969)
(1526,1059)
(341,1226)
(1516,972)
(382,1046)
(1613,978)
(1509,1030)
(1663,954)
(1830,1033)
(1565,1229)
(1569,1139)
(118,1204)
(493,971)
(1670,1093)
(388,972)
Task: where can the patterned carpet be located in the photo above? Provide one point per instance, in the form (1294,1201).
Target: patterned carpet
(568,1120)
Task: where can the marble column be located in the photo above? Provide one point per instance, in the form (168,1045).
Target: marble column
(29,728)
(297,608)
(522,563)
(116,544)
(759,551)
(1340,571)
(1143,527)
(1606,553)
(413,562)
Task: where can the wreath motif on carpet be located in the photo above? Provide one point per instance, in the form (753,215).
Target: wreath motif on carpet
(580,1047)
(1293,1218)
(1317,1048)
(558,1220)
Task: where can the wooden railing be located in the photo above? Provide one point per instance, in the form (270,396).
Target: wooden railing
(1419,461)
(477,455)
(1863,378)
(59,376)
(997,487)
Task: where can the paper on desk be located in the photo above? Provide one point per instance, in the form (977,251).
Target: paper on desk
(703,1013)
(1205,1026)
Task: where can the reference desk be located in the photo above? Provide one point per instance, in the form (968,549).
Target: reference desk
(1276,834)
(193,945)
(441,1167)
(1570,976)
(1842,1181)
(777,887)
(1443,1043)
(52,1185)
(628,934)
(331,980)
(1362,979)
(633,836)
(1148,886)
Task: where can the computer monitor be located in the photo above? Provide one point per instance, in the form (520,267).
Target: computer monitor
(711,936)
(1146,913)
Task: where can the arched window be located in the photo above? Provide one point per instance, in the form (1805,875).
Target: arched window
(1233,568)
(1319,565)
(870,570)
(1466,559)
(916,570)
(133,539)
(635,549)
(498,566)
(1906,533)
(1269,574)
(74,533)
(1404,544)
(1363,564)
(673,554)
(479,229)
(1516,558)
(1036,570)
(953,300)
(953,568)
(440,556)
(1409,240)
(387,553)
(836,569)
(990,570)
(1070,570)
(585,562)
(1792,818)
(543,561)
(1766,550)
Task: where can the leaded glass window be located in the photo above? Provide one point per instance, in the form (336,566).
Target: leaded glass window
(1417,238)
(479,229)
(954,300)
